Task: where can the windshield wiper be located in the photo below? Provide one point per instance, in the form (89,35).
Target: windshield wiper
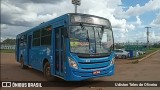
(83,28)
(95,40)
(88,39)
(100,37)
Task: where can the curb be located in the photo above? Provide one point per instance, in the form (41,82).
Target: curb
(148,56)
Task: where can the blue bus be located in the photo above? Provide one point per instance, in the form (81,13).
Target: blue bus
(73,47)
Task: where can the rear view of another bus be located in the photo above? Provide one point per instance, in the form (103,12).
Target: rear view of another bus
(91,47)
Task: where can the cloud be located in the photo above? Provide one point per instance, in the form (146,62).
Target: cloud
(107,8)
(141,36)
(33,14)
(13,15)
(154,37)
(20,15)
(42,1)
(138,22)
(120,37)
(138,10)
(35,1)
(122,25)
(156,22)
(10,31)
(17,17)
(3,26)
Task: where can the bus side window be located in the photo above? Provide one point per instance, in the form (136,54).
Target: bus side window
(23,40)
(36,38)
(46,34)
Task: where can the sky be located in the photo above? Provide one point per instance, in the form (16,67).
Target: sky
(128,17)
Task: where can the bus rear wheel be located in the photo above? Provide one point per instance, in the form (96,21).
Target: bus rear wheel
(22,63)
(47,72)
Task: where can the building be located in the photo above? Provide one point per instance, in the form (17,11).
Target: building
(5,46)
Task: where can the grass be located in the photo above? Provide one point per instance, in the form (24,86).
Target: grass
(139,57)
(149,51)
(7,51)
(152,50)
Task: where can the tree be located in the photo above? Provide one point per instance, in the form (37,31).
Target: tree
(9,41)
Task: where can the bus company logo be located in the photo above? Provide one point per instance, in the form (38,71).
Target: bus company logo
(6,84)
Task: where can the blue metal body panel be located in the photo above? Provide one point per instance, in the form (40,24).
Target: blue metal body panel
(77,75)
(36,55)
(85,69)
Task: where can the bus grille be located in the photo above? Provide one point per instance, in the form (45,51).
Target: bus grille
(94,65)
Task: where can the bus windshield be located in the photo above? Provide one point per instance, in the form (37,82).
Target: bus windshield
(90,40)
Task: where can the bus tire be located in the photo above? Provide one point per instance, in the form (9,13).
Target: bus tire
(22,63)
(47,72)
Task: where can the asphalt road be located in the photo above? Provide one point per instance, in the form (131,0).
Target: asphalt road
(146,70)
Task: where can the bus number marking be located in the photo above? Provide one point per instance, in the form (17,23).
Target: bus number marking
(87,60)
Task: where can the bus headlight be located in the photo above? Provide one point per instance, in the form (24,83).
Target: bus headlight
(72,63)
(112,61)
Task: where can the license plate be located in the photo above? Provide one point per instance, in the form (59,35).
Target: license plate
(96,72)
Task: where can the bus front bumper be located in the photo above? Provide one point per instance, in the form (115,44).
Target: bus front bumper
(81,74)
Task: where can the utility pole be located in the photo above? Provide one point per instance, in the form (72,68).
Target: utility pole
(147,36)
(76,4)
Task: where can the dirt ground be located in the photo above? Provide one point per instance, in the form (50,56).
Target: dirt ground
(146,70)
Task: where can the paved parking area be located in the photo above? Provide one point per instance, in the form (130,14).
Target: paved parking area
(146,70)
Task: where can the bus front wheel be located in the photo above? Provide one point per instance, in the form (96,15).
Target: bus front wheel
(22,63)
(47,72)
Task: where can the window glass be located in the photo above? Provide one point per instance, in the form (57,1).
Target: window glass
(36,34)
(46,40)
(46,31)
(42,36)
(89,39)
(23,40)
(36,42)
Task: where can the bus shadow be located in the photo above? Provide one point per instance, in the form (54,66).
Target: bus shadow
(57,82)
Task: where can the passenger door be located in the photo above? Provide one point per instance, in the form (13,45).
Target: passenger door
(60,51)
(29,49)
(17,49)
